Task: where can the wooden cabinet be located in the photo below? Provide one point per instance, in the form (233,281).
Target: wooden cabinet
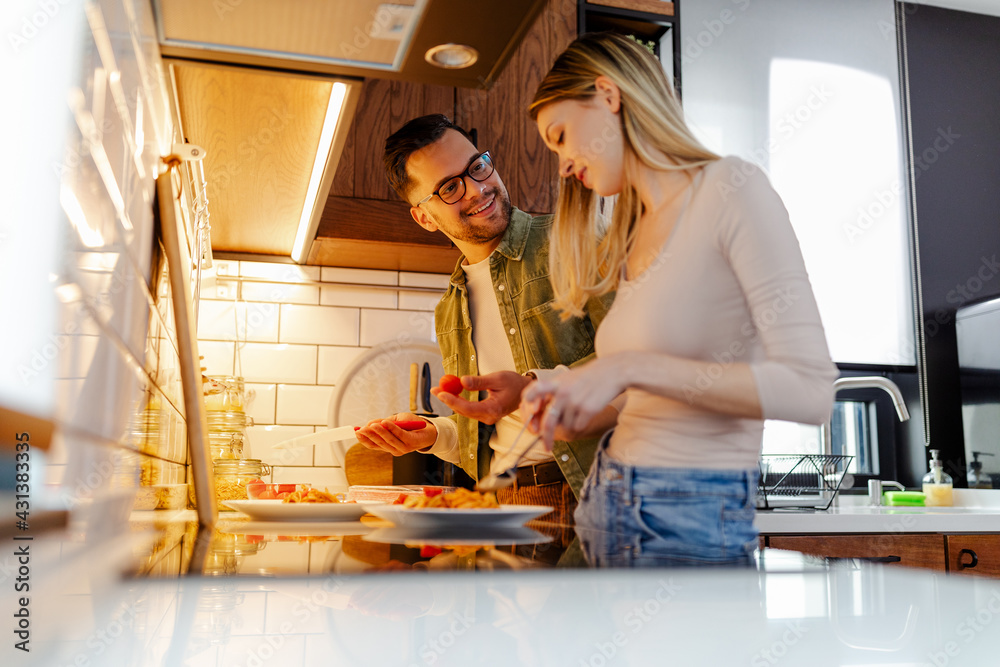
(926,551)
(974,554)
(959,554)
(365,225)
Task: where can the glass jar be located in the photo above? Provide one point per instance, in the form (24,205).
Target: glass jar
(227,431)
(225,445)
(224,393)
(232,477)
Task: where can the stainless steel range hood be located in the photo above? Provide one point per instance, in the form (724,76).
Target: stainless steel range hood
(268,88)
(360,38)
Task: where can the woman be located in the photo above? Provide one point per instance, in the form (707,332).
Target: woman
(714,329)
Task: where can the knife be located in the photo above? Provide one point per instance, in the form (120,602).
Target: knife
(332,435)
(425,391)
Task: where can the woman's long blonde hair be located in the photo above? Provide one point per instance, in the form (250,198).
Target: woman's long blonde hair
(585,260)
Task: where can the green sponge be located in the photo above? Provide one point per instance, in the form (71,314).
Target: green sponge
(903,498)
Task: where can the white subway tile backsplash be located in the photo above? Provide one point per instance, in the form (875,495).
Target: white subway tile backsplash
(284,273)
(330,478)
(323,325)
(333,361)
(418,300)
(226,267)
(333,274)
(408,279)
(332,453)
(263,438)
(268,362)
(359,297)
(261,406)
(218,356)
(303,405)
(224,320)
(378,326)
(281,293)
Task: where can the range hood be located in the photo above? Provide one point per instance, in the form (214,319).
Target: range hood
(268,88)
(358,38)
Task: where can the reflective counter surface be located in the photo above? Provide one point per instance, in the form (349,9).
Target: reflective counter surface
(364,593)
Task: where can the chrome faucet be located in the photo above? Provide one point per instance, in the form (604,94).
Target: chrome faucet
(870,382)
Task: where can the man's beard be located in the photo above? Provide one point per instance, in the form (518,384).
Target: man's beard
(473,231)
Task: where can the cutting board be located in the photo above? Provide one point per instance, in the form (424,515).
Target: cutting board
(367,467)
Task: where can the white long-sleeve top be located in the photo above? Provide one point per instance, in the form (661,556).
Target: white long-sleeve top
(729,286)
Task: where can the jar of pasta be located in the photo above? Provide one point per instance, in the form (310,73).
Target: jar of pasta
(232,477)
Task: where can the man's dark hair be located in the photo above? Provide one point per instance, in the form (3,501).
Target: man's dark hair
(407,140)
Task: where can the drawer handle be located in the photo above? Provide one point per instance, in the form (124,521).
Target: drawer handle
(971,564)
(869,559)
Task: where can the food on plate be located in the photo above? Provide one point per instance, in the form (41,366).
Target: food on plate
(311,495)
(451,384)
(458,499)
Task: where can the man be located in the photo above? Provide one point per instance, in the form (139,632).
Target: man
(495,325)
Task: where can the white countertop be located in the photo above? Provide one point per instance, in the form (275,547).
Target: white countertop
(976,511)
(792,611)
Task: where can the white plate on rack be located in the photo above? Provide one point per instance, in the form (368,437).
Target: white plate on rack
(276,510)
(433,517)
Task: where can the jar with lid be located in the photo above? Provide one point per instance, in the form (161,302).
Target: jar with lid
(227,432)
(223,393)
(232,477)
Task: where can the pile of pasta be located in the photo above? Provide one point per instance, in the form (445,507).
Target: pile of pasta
(458,499)
(311,495)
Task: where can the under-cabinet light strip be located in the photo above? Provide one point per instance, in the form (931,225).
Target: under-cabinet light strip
(305,231)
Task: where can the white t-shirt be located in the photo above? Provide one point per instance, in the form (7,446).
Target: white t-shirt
(493,354)
(729,285)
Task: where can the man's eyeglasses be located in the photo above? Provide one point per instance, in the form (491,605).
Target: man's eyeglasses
(453,189)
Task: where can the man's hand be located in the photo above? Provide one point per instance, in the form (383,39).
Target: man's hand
(384,435)
(503,396)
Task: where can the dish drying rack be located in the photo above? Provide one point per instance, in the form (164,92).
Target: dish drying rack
(800,481)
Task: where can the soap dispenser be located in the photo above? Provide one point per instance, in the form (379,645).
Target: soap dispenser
(977,478)
(937,484)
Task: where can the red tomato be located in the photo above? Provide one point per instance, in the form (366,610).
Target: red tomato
(451,384)
(400,499)
(255,487)
(284,494)
(267,494)
(254,539)
(431,492)
(284,488)
(429,551)
(411,425)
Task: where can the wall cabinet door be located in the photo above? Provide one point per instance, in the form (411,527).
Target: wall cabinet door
(927,551)
(974,554)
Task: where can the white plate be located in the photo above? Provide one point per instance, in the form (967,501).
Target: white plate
(271,530)
(276,510)
(429,517)
(458,535)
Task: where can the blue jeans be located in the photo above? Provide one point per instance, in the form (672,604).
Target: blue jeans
(666,517)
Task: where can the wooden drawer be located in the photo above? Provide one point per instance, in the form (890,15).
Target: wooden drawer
(974,554)
(926,551)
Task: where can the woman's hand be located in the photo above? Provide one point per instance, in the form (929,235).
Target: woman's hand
(566,404)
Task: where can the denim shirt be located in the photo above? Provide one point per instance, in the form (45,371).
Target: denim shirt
(538,339)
